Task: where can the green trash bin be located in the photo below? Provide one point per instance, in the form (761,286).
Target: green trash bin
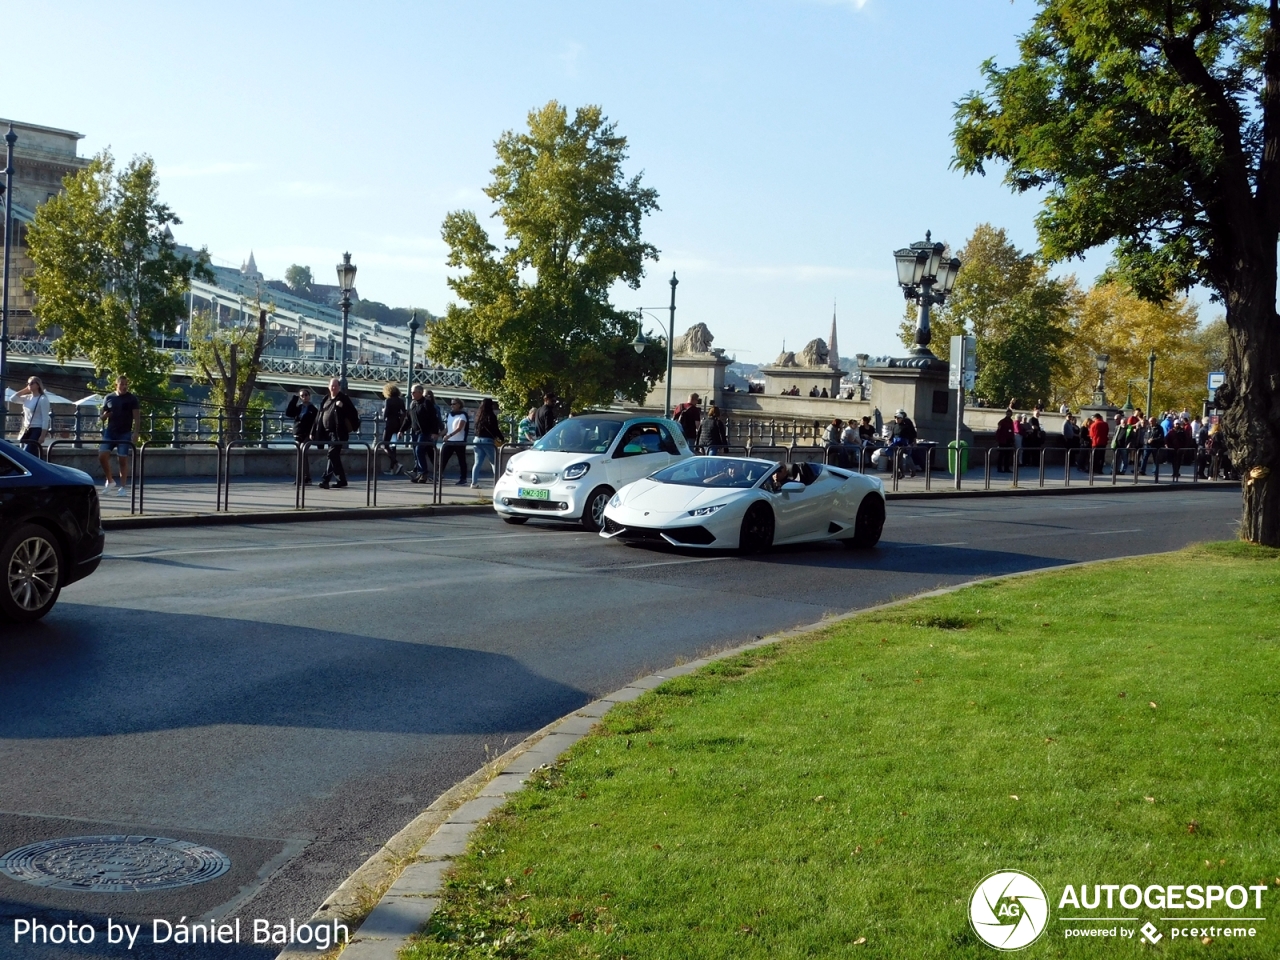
(963,446)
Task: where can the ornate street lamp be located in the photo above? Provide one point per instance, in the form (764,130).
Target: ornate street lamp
(641,341)
(1099,389)
(347,282)
(863,359)
(927,278)
(414,327)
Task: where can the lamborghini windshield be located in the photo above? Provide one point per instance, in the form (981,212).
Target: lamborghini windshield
(714,472)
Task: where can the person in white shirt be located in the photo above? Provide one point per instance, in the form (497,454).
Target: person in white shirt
(37,418)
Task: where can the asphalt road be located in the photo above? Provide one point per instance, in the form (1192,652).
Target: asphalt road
(293,695)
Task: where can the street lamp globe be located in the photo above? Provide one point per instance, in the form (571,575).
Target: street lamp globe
(641,341)
(1102,360)
(346,274)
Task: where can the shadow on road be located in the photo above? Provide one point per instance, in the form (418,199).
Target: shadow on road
(101,671)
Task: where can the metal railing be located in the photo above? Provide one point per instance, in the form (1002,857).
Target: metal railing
(134,501)
(300,488)
(140,469)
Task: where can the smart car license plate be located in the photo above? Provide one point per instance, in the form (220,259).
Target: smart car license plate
(533,493)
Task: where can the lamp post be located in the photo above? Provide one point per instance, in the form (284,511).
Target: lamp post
(641,341)
(1151,380)
(10,139)
(863,359)
(414,327)
(926,278)
(347,282)
(1099,388)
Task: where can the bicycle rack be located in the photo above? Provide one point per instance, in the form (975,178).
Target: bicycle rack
(225,467)
(141,471)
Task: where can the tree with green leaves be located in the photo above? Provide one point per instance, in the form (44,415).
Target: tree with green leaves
(108,275)
(1155,125)
(1018,313)
(535,316)
(229,360)
(299,279)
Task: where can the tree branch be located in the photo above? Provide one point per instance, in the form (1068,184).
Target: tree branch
(1231,206)
(1269,165)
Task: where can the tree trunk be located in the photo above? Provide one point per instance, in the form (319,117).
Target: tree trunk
(1251,397)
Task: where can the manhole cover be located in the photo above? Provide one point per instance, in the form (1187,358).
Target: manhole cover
(113,864)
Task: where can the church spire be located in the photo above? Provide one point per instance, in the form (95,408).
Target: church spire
(833,352)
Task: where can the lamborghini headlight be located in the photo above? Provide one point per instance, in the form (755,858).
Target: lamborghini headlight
(705,511)
(615,500)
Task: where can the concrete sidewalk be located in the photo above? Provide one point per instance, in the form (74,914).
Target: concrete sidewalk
(248,496)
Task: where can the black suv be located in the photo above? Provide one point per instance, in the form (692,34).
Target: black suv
(50,532)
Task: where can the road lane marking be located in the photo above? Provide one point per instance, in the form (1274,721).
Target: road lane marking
(1103,533)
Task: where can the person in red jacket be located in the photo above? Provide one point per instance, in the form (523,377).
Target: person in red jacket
(1004,443)
(1098,433)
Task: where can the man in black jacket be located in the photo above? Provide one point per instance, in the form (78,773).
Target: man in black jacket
(337,418)
(303,413)
(424,427)
(545,418)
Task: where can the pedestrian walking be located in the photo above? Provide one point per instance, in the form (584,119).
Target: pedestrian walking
(425,426)
(1178,442)
(1154,449)
(457,426)
(488,436)
(337,420)
(713,439)
(303,413)
(1070,438)
(906,437)
(1098,432)
(37,416)
(394,417)
(1004,442)
(689,416)
(545,418)
(121,420)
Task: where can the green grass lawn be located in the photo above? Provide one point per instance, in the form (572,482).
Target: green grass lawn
(842,794)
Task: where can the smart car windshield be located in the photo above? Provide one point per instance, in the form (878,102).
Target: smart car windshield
(714,472)
(579,435)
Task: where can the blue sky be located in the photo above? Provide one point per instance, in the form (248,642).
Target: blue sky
(794,143)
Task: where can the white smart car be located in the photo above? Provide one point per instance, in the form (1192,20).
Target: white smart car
(573,471)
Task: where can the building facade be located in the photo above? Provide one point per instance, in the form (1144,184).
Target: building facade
(42,158)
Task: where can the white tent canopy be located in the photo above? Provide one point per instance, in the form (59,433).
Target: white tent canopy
(54,399)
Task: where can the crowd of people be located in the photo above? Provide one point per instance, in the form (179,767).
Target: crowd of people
(1128,443)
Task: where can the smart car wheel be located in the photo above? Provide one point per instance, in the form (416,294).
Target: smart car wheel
(593,509)
(515,519)
(31,565)
(868,524)
(756,534)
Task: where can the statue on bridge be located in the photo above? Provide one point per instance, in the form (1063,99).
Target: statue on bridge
(697,339)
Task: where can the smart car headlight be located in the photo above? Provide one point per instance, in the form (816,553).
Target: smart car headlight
(705,511)
(576,470)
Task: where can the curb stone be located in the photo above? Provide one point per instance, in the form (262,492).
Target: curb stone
(412,899)
(287,516)
(462,509)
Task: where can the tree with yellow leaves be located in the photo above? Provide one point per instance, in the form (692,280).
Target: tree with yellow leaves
(1109,318)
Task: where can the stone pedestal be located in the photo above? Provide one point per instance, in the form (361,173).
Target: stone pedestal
(700,373)
(778,379)
(919,386)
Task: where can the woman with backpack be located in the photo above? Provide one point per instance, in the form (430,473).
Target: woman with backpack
(712,437)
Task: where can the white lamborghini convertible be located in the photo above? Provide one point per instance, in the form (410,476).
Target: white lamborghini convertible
(725,503)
